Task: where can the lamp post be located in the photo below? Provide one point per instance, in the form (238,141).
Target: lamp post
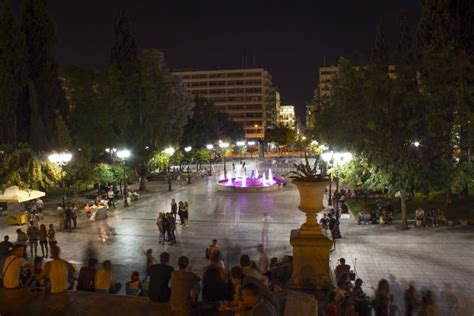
(223,147)
(188,150)
(169,151)
(210,147)
(124,154)
(328,158)
(61,159)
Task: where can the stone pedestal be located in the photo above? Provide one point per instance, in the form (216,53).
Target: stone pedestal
(310,261)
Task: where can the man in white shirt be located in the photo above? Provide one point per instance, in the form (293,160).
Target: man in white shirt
(12,268)
(39,205)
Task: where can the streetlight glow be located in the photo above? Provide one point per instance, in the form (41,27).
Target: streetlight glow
(188,149)
(251,143)
(224,145)
(60,158)
(209,146)
(240,143)
(123,154)
(169,151)
(416,143)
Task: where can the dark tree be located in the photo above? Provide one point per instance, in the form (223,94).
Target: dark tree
(380,50)
(12,73)
(124,51)
(40,36)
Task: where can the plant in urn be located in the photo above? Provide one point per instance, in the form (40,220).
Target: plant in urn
(311,181)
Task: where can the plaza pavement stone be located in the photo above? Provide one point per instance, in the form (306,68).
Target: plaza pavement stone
(430,257)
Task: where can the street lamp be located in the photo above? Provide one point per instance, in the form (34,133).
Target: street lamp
(188,149)
(210,147)
(223,146)
(169,151)
(61,159)
(124,154)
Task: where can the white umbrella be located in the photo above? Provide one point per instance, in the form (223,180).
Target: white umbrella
(16,195)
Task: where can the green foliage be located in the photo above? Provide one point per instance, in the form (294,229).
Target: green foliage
(110,173)
(281,135)
(64,137)
(20,166)
(159,162)
(360,174)
(202,154)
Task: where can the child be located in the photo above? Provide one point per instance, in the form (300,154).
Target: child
(150,260)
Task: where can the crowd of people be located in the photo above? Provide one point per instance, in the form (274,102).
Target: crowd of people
(166,221)
(432,218)
(349,299)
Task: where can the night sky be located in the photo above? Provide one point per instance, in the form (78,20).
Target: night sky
(291,39)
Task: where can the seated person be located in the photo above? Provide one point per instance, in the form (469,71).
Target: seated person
(419,217)
(344,208)
(324,222)
(440,217)
(342,269)
(361,220)
(252,303)
(373,217)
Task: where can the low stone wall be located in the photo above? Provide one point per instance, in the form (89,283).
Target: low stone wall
(25,302)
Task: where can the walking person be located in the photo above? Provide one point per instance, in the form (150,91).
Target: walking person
(110,198)
(74,215)
(266,221)
(59,272)
(43,240)
(174,208)
(161,230)
(186,213)
(172,221)
(166,226)
(180,212)
(68,218)
(52,236)
(60,214)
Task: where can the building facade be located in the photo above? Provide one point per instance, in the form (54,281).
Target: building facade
(287,116)
(247,95)
(327,77)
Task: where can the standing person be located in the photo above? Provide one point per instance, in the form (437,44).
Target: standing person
(86,279)
(428,306)
(12,268)
(184,288)
(58,272)
(35,219)
(74,215)
(266,221)
(186,213)
(263,260)
(180,212)
(52,236)
(104,279)
(32,233)
(332,228)
(160,275)
(381,301)
(411,302)
(43,240)
(5,247)
(150,260)
(60,214)
(161,230)
(174,208)
(68,218)
(213,250)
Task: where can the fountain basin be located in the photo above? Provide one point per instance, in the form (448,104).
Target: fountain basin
(259,184)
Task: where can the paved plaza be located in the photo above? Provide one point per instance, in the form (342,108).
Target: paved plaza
(429,257)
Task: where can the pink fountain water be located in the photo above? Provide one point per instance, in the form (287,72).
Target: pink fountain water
(256,180)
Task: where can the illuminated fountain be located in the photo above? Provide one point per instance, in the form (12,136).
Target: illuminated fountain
(257,182)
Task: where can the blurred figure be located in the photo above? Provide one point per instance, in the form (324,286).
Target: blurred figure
(428,306)
(266,221)
(411,301)
(381,301)
(86,279)
(448,301)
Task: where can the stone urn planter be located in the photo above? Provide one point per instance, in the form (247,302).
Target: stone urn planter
(311,203)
